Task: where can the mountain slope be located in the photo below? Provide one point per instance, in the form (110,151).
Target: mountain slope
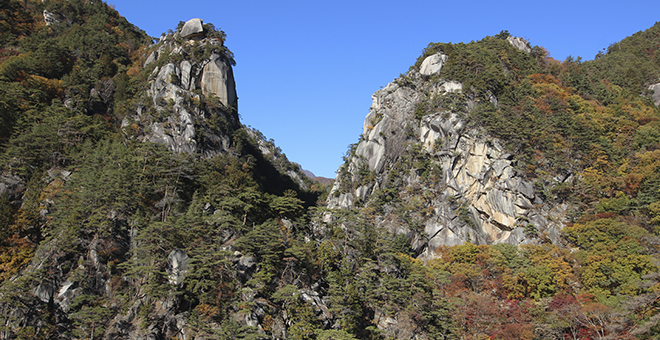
(126,170)
(492,142)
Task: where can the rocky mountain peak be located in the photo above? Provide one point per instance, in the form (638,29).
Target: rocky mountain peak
(417,142)
(190,104)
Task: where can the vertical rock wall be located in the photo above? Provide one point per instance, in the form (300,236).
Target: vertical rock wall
(478,197)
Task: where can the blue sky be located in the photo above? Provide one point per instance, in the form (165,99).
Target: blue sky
(306,69)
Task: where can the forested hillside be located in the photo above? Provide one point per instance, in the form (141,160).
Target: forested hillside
(513,196)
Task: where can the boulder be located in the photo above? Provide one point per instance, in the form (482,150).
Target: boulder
(432,64)
(44,291)
(192,28)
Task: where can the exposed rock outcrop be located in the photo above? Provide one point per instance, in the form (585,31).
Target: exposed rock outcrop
(50,18)
(218,79)
(432,64)
(172,113)
(192,28)
(519,43)
(468,181)
(656,93)
(11,187)
(177,266)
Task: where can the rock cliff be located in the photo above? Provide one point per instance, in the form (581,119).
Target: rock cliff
(437,176)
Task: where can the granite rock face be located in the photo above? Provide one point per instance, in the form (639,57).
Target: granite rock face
(473,193)
(177,266)
(193,27)
(656,93)
(519,43)
(432,64)
(218,79)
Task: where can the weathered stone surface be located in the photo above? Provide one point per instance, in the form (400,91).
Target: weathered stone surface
(450,86)
(50,18)
(151,58)
(186,68)
(218,79)
(193,27)
(245,266)
(44,291)
(479,198)
(177,266)
(12,186)
(519,43)
(167,74)
(656,93)
(432,64)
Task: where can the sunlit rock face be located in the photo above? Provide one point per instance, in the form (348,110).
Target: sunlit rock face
(475,193)
(519,43)
(177,266)
(218,79)
(432,64)
(192,28)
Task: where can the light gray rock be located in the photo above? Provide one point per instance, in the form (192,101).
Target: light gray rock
(192,28)
(498,166)
(395,105)
(519,43)
(186,68)
(527,189)
(151,58)
(246,263)
(177,266)
(451,86)
(12,186)
(165,76)
(50,18)
(218,79)
(44,291)
(432,64)
(656,93)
